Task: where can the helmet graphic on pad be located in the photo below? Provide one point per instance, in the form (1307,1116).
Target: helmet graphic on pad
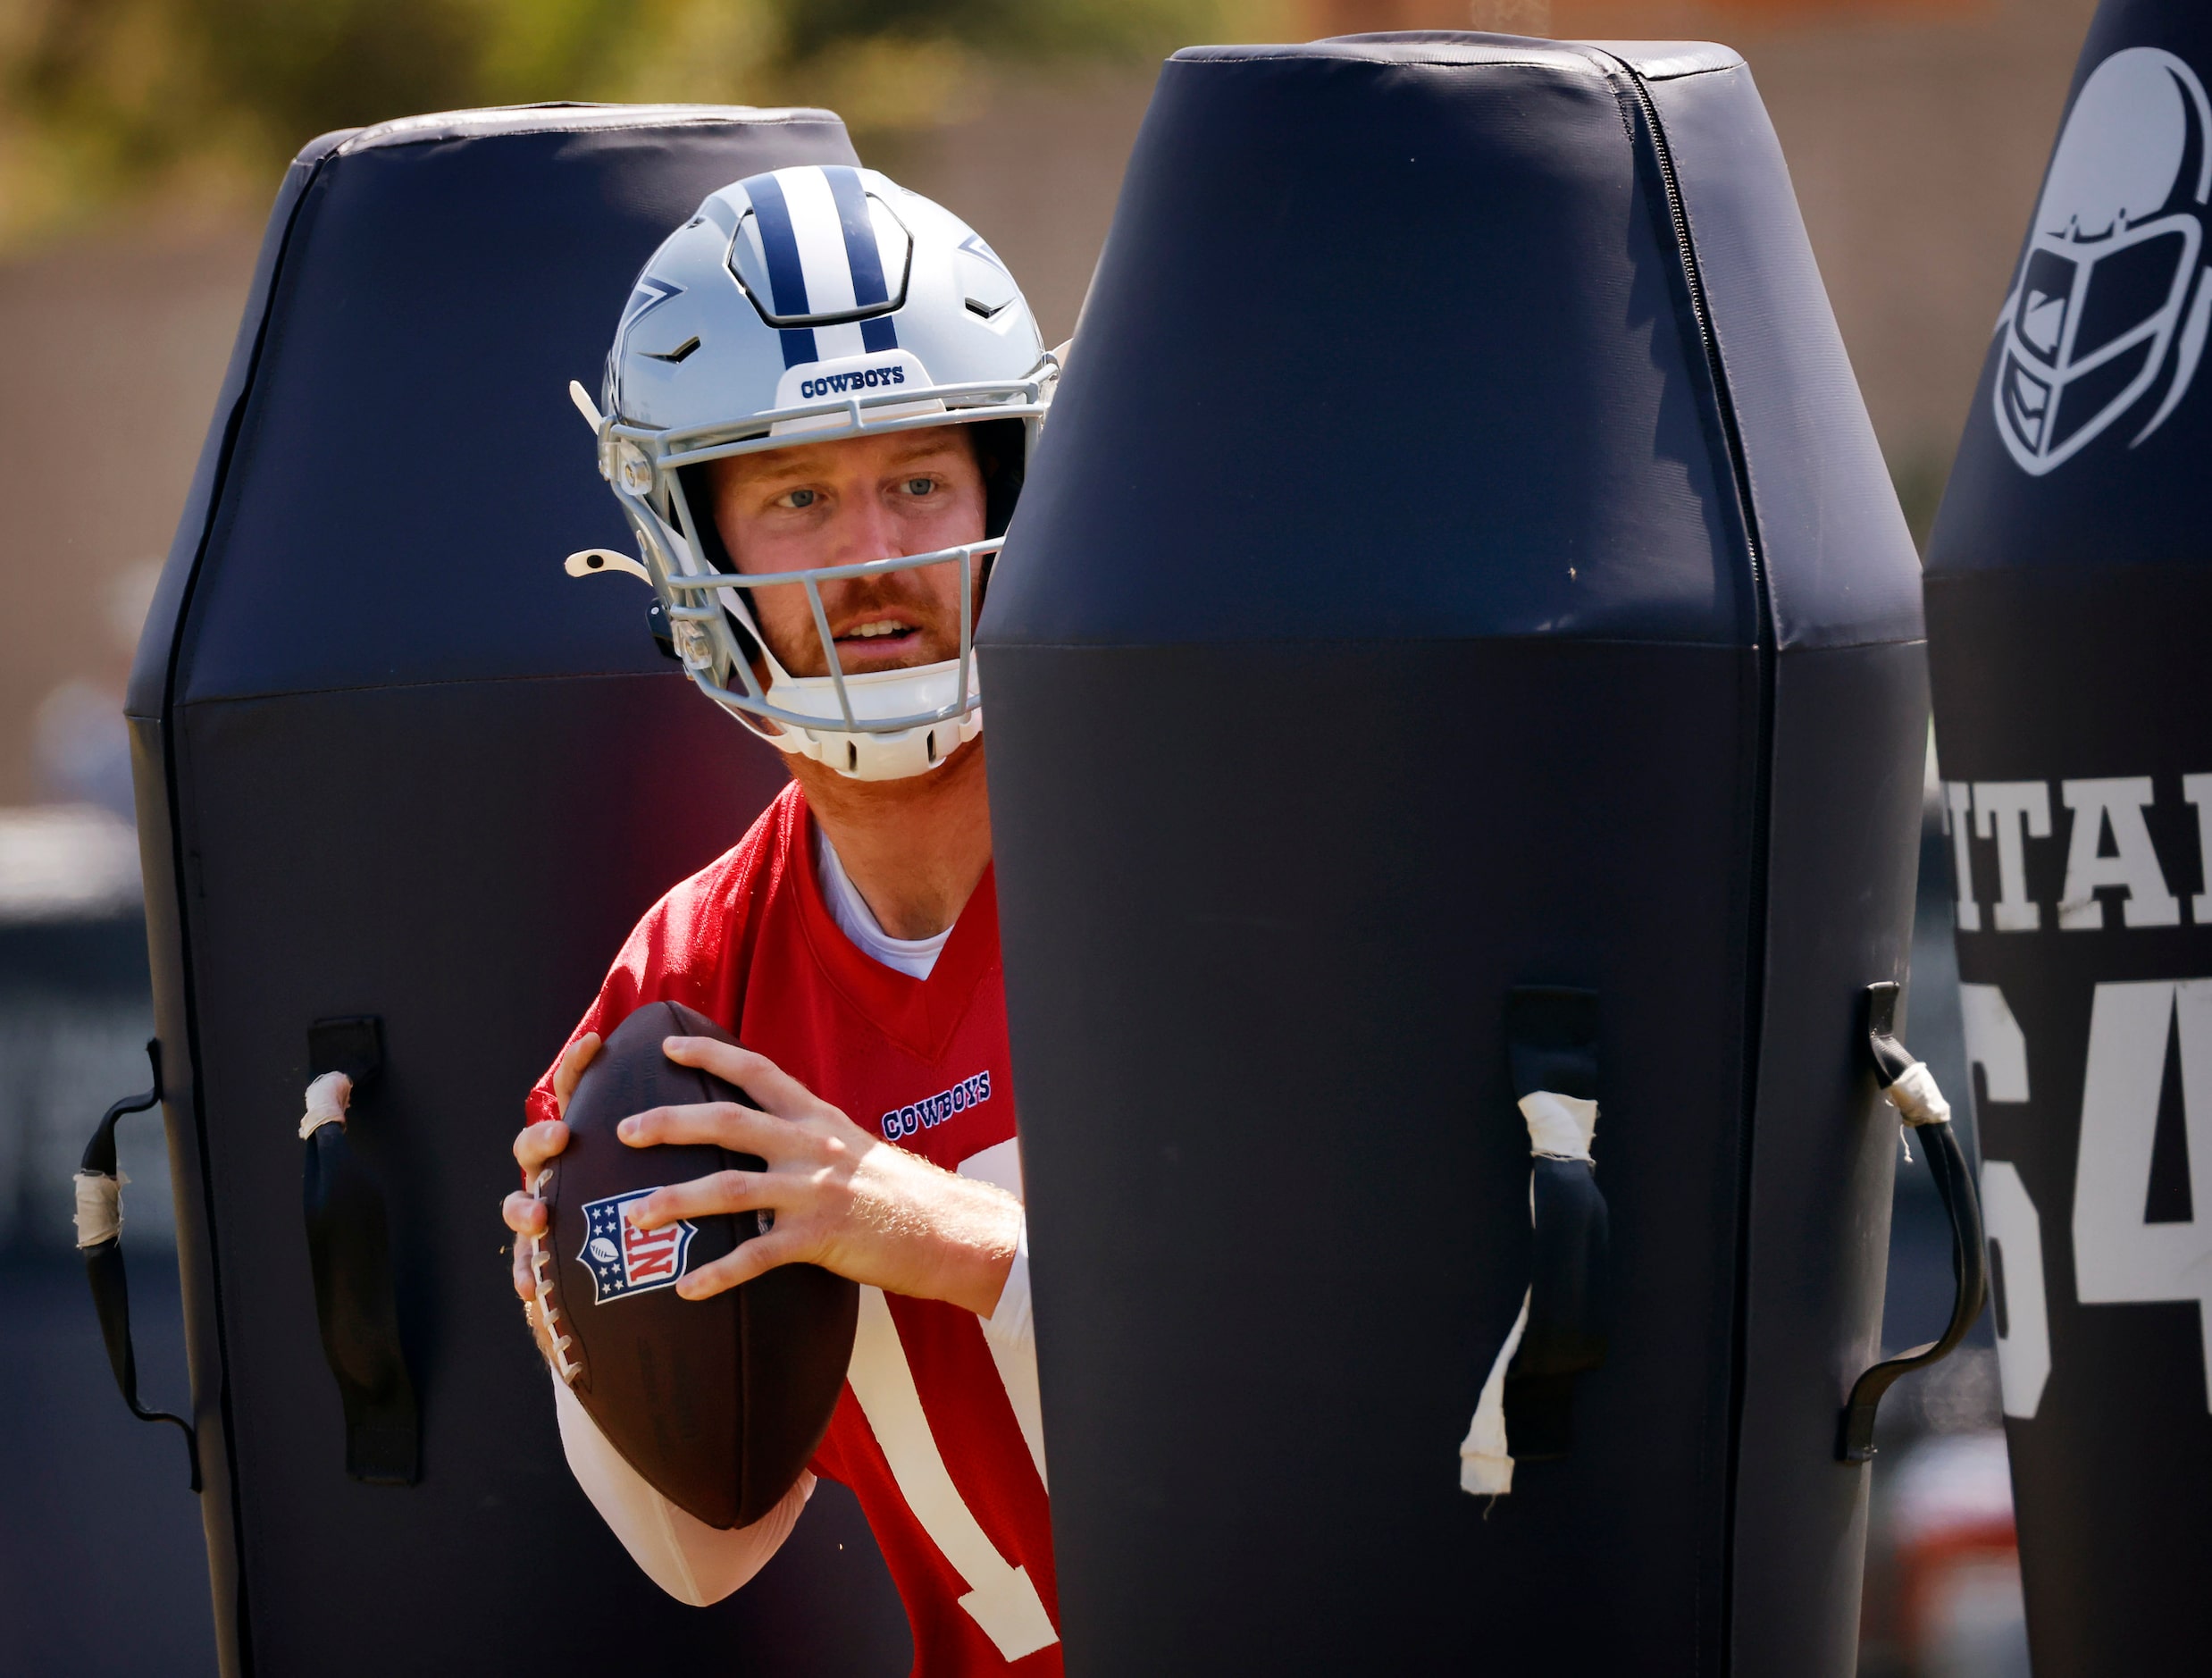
(798,307)
(2112,299)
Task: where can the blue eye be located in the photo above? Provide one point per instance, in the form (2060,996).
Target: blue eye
(802,498)
(921,486)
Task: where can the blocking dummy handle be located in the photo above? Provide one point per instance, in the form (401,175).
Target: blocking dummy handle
(1526,1411)
(1908,1086)
(99,1237)
(349,1252)
(1551,1046)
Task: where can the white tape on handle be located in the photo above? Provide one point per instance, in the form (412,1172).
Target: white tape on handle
(1916,1097)
(1560,1127)
(327,1099)
(1486,1467)
(99,1207)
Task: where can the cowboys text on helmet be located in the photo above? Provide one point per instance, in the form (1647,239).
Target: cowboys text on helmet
(799,306)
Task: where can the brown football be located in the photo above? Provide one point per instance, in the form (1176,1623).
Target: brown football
(718,1402)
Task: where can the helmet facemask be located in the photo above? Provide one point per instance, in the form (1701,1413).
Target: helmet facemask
(879,725)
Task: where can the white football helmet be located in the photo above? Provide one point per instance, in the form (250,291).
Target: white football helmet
(798,307)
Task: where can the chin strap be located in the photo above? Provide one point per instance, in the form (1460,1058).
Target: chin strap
(858,754)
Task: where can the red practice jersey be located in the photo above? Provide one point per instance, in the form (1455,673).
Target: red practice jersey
(924,1433)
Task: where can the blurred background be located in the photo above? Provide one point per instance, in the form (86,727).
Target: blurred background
(139,143)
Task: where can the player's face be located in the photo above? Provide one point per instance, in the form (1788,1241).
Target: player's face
(843,502)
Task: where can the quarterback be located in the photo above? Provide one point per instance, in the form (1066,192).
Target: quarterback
(818,408)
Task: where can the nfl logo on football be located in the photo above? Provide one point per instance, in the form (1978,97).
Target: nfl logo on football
(625,1260)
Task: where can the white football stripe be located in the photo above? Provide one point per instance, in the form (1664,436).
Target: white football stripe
(835,343)
(1009,1333)
(821,239)
(1001,1599)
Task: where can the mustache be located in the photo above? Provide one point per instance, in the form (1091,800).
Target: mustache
(854,597)
(790,630)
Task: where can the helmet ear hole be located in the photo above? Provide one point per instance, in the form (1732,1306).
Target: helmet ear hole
(1002,447)
(698,497)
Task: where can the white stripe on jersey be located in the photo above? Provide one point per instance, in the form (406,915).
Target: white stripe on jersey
(1001,1599)
(820,235)
(1007,1332)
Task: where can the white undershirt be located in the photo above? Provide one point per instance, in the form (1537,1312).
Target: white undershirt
(914,957)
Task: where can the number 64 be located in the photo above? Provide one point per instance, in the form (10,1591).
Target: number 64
(2120,1257)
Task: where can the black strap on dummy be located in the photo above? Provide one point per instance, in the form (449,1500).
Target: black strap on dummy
(103,1268)
(349,1249)
(1551,1041)
(1946,1163)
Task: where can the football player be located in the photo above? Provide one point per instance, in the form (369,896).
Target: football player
(818,408)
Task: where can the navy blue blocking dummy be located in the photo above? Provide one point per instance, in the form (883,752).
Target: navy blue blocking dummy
(403,787)
(1457,695)
(2069,600)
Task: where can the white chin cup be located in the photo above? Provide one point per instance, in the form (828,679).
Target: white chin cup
(876,694)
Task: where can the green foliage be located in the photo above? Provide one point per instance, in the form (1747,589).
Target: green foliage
(100,98)
(1002,26)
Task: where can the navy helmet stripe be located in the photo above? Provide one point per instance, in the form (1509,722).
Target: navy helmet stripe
(861,255)
(878,333)
(779,244)
(799,345)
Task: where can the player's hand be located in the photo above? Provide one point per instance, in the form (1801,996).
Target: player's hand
(844,1199)
(524,1212)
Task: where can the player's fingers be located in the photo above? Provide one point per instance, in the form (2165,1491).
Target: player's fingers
(528,1252)
(574,1058)
(734,1270)
(701,1198)
(524,1213)
(771,1089)
(539,1143)
(723,1122)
